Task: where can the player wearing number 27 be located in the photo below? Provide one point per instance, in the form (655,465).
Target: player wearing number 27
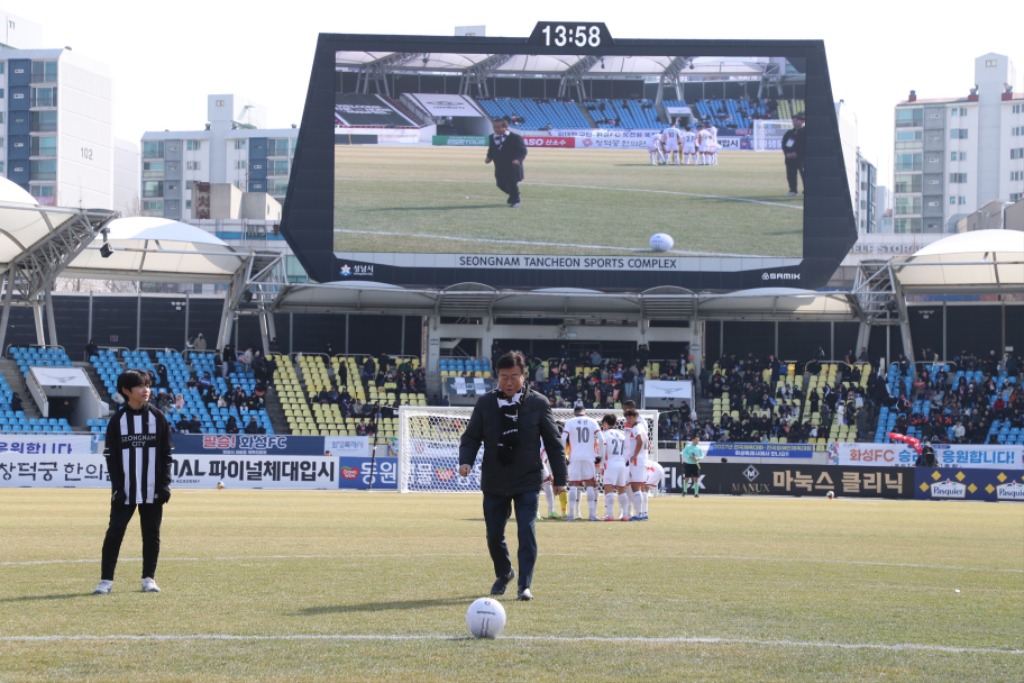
(511,423)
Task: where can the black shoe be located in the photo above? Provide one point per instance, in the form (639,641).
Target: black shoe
(498,588)
(524,594)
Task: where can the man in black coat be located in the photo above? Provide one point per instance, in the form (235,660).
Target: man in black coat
(507,150)
(511,423)
(793,150)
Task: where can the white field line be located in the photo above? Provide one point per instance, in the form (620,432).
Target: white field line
(894,647)
(361,556)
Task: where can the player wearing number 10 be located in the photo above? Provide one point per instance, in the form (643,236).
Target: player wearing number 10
(581,434)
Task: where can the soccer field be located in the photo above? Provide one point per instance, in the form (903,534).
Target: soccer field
(304,586)
(575,201)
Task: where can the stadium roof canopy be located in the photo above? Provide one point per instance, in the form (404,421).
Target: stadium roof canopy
(476,300)
(158,249)
(449,63)
(990,261)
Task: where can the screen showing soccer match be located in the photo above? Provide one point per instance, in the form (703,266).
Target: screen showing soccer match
(593,163)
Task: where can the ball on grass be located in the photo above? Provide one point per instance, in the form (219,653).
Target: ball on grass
(661,242)
(486,618)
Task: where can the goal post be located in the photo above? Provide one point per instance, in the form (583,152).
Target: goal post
(428,446)
(768,134)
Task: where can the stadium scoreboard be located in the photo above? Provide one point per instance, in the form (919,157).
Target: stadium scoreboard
(388,183)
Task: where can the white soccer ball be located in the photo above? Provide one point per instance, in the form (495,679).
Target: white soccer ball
(486,618)
(661,242)
(830,495)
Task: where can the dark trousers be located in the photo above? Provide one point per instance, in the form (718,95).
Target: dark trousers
(497,510)
(150,516)
(507,178)
(794,167)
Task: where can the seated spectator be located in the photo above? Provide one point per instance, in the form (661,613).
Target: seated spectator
(252,427)
(232,425)
(179,401)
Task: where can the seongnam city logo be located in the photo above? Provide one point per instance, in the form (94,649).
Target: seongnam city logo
(948,489)
(1012,490)
(355,271)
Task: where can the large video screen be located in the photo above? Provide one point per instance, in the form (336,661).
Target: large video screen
(640,163)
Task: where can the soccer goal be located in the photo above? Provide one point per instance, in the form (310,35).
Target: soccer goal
(428,446)
(768,134)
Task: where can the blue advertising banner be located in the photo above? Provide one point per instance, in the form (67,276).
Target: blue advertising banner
(355,473)
(941,483)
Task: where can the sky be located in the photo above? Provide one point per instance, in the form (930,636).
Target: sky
(164,62)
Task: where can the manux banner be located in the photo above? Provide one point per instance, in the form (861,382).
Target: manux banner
(940,483)
(798,480)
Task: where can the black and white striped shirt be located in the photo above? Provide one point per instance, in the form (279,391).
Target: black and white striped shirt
(138,452)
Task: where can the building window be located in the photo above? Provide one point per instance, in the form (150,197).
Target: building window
(908,183)
(1017,153)
(958,156)
(192,166)
(1016,196)
(277,187)
(909,162)
(42,121)
(241,143)
(962,201)
(241,165)
(44,146)
(952,200)
(1018,108)
(44,97)
(1017,130)
(44,72)
(1016,175)
(277,147)
(957,133)
(44,169)
(904,206)
(959,111)
(909,117)
(193,145)
(957,178)
(153,207)
(153,149)
(152,188)
(152,169)
(906,225)
(277,167)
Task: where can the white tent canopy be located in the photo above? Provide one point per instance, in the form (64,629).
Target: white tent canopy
(24,223)
(980,260)
(158,249)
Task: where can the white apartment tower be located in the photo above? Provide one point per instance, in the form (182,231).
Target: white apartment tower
(955,155)
(233,148)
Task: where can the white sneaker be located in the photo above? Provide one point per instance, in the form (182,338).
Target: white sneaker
(103,587)
(149,586)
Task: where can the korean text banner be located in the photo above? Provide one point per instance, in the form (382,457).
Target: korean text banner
(247,444)
(48,444)
(357,473)
(804,480)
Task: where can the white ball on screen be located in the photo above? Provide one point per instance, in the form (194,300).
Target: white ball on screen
(661,242)
(486,618)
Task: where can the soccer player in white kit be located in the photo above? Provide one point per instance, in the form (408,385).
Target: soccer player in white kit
(636,450)
(672,139)
(616,469)
(654,150)
(703,144)
(546,484)
(689,147)
(580,434)
(713,144)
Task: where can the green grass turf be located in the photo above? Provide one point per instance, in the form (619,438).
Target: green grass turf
(588,202)
(302,586)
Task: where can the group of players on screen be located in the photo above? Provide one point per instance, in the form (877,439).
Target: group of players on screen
(608,456)
(680,145)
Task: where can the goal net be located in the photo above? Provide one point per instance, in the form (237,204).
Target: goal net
(428,446)
(768,134)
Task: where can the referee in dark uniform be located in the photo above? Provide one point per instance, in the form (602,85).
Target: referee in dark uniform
(138,453)
(507,151)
